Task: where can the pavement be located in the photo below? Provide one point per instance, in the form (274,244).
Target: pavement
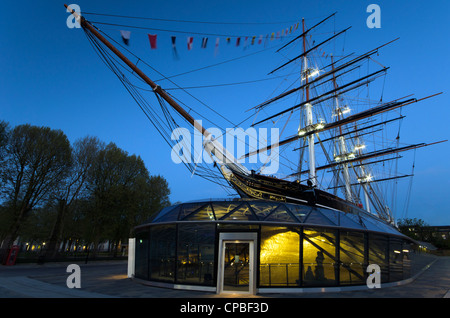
(108,279)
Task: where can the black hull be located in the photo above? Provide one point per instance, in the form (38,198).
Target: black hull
(268,188)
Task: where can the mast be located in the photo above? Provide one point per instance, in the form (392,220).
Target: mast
(308,115)
(211,145)
(341,139)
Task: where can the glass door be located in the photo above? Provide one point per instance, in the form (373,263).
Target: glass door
(236,267)
(236,272)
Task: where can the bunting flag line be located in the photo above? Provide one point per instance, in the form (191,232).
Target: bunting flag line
(152,38)
(125,36)
(247,40)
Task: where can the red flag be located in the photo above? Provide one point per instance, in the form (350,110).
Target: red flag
(189,42)
(238,40)
(152,38)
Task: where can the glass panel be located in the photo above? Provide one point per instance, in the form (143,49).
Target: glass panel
(378,245)
(407,252)
(351,221)
(223,208)
(196,254)
(167,214)
(300,211)
(280,215)
(351,255)
(241,213)
(162,252)
(315,217)
(279,256)
(188,208)
(371,224)
(236,267)
(141,255)
(262,209)
(319,255)
(204,214)
(332,215)
(395,260)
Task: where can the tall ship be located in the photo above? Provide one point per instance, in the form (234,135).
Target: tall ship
(331,147)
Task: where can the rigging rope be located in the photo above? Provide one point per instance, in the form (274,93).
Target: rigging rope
(164,127)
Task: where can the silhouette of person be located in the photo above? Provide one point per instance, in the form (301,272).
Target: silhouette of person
(309,276)
(319,271)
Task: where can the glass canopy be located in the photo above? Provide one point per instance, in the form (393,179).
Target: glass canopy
(271,212)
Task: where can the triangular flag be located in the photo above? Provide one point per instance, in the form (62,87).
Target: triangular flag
(125,36)
(238,40)
(260,39)
(228,40)
(152,38)
(271,36)
(253,39)
(216,50)
(204,42)
(190,40)
(245,42)
(174,48)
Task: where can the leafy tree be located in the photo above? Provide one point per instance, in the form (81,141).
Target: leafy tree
(414,228)
(36,159)
(120,188)
(83,156)
(89,192)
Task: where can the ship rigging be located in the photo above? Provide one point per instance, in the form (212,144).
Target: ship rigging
(324,118)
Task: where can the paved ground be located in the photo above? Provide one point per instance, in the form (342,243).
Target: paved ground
(109,279)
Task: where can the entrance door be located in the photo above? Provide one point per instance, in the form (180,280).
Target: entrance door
(236,263)
(236,267)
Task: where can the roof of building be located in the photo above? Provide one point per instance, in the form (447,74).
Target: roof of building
(250,210)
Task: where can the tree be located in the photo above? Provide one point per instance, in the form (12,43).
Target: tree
(84,153)
(123,194)
(36,159)
(414,228)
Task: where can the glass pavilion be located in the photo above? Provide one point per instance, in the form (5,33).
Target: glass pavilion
(245,245)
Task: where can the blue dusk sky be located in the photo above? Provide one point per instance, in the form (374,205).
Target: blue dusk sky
(51,76)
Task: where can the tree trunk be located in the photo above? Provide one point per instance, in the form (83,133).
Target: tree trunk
(55,236)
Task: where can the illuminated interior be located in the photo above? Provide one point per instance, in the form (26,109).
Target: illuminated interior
(298,245)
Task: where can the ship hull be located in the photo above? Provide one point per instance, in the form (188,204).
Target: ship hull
(267,188)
